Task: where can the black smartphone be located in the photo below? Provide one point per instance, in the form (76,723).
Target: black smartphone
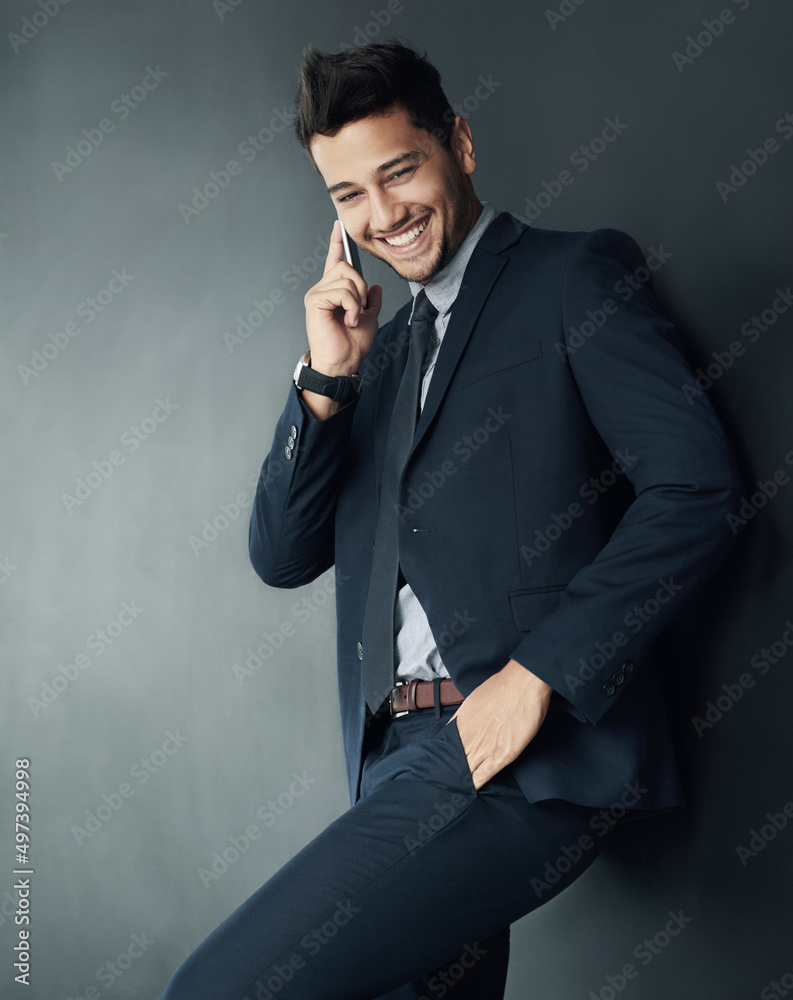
(351,254)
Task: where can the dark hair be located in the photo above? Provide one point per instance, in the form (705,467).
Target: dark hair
(335,90)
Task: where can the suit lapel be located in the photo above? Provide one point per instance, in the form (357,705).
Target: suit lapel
(483,268)
(480,275)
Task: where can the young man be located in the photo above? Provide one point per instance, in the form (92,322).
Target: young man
(517,497)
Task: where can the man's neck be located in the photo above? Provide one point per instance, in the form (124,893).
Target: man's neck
(476,207)
(450,274)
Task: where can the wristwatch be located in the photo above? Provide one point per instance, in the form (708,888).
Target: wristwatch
(341,389)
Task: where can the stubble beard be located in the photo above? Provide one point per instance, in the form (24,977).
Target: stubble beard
(449,244)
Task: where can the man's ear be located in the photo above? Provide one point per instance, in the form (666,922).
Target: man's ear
(461,145)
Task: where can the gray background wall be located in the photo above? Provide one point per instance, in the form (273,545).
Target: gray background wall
(195,613)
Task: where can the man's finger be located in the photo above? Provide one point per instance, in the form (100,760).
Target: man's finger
(374,299)
(336,247)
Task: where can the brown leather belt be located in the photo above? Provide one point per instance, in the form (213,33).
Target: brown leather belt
(408,696)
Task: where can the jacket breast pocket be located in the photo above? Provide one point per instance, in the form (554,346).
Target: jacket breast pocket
(500,363)
(529,607)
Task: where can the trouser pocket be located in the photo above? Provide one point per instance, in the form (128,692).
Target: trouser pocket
(435,758)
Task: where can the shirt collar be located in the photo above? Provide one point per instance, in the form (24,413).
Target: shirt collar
(444,288)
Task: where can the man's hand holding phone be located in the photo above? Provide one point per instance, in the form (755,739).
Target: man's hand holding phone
(341,322)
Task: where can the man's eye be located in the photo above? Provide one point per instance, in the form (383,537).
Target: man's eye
(392,177)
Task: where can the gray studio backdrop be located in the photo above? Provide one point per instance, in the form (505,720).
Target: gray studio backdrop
(179,718)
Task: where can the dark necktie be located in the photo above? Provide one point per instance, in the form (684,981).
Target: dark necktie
(377,667)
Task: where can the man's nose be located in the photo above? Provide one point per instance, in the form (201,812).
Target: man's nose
(385,214)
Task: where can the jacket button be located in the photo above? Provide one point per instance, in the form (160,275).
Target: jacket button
(360,650)
(618,678)
(290,441)
(608,690)
(288,452)
(293,431)
(627,667)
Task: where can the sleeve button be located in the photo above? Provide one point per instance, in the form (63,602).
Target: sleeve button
(288,452)
(360,650)
(608,690)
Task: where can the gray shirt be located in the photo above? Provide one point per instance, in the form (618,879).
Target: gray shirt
(415,652)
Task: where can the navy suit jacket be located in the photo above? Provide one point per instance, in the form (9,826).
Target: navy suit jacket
(562,499)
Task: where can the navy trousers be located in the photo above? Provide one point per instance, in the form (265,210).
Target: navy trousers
(409,893)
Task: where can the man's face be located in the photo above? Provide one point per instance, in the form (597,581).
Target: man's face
(401,196)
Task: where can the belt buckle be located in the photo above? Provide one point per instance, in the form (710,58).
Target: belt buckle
(406,711)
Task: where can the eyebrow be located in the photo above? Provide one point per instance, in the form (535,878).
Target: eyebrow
(413,155)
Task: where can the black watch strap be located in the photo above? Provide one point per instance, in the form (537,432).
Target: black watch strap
(341,389)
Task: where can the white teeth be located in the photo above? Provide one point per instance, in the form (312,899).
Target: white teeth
(408,237)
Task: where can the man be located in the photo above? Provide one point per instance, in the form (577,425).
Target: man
(517,497)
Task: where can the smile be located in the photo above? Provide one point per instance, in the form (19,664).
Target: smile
(405,239)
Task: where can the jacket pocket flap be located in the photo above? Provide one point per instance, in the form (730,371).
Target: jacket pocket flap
(501,362)
(530,606)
